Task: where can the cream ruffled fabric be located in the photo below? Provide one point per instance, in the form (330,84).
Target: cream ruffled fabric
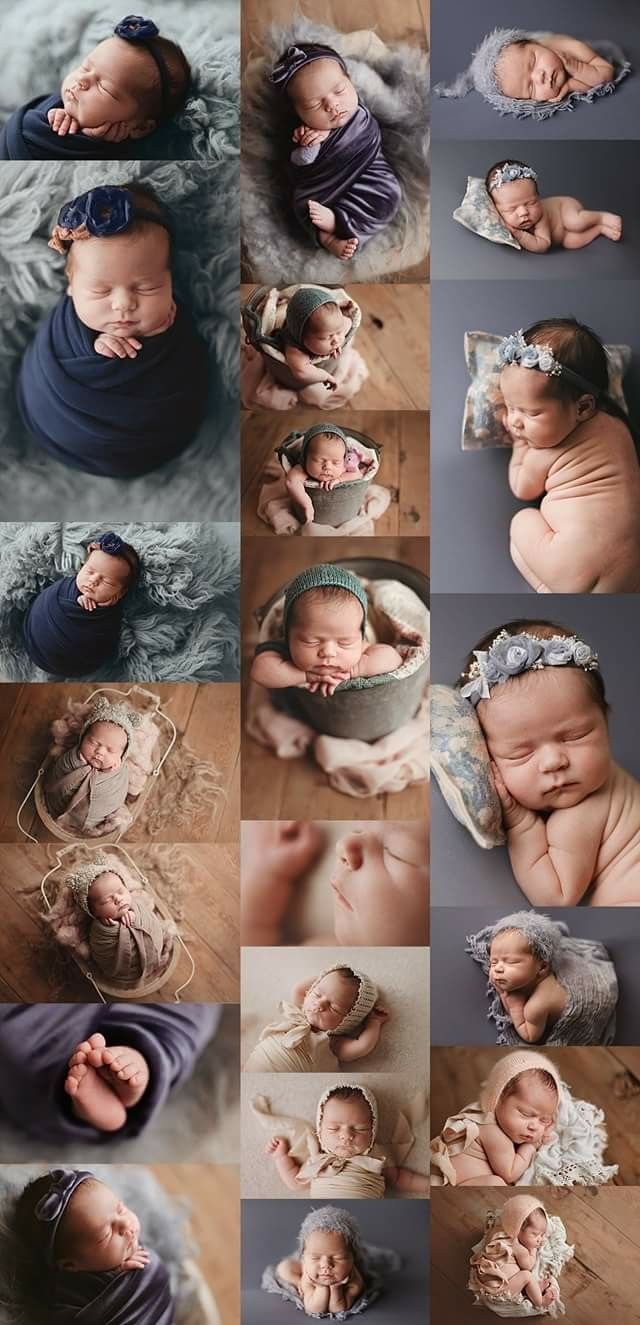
(290,1045)
(489,1267)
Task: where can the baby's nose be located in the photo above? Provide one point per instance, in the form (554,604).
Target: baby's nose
(552,756)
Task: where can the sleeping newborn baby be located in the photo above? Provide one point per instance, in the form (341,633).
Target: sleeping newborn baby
(73,626)
(325,617)
(329,1270)
(343,189)
(571,815)
(87,785)
(325,456)
(126,937)
(336,1009)
(120,92)
(316,331)
(506,1265)
(84,1244)
(115,381)
(535,73)
(538,223)
(572,443)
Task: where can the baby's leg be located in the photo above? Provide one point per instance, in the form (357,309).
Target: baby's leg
(487,1180)
(545,559)
(472,1172)
(583,226)
(524,1282)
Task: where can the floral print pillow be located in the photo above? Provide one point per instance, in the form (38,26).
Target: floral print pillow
(484,406)
(462,768)
(477,212)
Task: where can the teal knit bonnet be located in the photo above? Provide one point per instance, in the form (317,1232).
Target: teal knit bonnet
(316,430)
(324,576)
(300,307)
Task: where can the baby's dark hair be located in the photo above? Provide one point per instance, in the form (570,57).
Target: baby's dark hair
(327,593)
(543,630)
(349,1093)
(32,1233)
(499,165)
(577,347)
(541,1075)
(178,75)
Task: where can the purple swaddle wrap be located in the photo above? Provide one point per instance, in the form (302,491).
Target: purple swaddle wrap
(351,176)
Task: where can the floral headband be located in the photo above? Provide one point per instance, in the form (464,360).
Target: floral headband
(141,32)
(106,210)
(514,349)
(510,172)
(511,655)
(51,1206)
(295,58)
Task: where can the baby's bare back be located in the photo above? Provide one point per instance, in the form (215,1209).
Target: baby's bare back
(616,881)
(593,496)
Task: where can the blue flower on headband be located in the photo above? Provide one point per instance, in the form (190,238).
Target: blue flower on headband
(111,543)
(136,28)
(105,210)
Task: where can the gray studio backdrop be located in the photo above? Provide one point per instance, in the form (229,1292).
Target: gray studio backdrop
(463,873)
(463,1019)
(473,506)
(458,26)
(603,176)
(270,1230)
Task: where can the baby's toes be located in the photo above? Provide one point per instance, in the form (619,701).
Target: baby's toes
(75,1076)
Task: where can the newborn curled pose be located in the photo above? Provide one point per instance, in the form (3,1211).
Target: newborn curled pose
(338,1008)
(73,626)
(343,189)
(316,331)
(126,937)
(572,443)
(84,1244)
(534,73)
(121,91)
(331,1269)
(507,1265)
(341,1160)
(115,381)
(571,815)
(325,616)
(325,457)
(538,223)
(88,784)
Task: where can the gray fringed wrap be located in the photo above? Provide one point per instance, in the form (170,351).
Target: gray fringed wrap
(583,967)
(372,1262)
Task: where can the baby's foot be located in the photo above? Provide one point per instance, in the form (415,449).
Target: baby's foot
(92,1100)
(548,1296)
(341,248)
(611,225)
(321,216)
(126,1072)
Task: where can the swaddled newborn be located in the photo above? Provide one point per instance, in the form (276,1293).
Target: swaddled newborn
(325,616)
(343,189)
(125,935)
(73,626)
(115,381)
(336,1010)
(316,331)
(84,1244)
(538,223)
(571,446)
(507,1265)
(87,785)
(325,457)
(120,92)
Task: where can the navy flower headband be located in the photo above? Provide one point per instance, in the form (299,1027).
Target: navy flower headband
(141,32)
(51,1206)
(106,210)
(511,655)
(295,58)
(110,543)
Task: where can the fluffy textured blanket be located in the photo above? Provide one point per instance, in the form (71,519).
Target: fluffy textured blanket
(80,797)
(180,623)
(118,418)
(583,968)
(164,1228)
(42,41)
(202,202)
(128,1297)
(127,954)
(377,1262)
(393,83)
(64,638)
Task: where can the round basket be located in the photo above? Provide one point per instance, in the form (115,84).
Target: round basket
(337,505)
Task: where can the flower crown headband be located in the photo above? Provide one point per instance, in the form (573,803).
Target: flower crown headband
(510,172)
(141,32)
(511,655)
(101,212)
(514,349)
(51,1207)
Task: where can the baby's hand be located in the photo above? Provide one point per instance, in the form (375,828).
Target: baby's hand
(88,603)
(378,1014)
(127,918)
(306,137)
(276,1146)
(61,122)
(329,381)
(326,679)
(109,133)
(117,347)
(513,812)
(327,483)
(137,1260)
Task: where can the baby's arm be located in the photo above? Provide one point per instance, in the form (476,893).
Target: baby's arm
(294,483)
(347,1049)
(528,470)
(307,144)
(406,1180)
(585,67)
(553,861)
(300,990)
(505,1160)
(529,1016)
(525,1259)
(274,855)
(287,1167)
(376,660)
(275,672)
(315,1297)
(537,240)
(304,370)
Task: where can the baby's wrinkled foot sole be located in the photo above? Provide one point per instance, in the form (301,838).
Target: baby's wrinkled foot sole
(126,1072)
(92,1100)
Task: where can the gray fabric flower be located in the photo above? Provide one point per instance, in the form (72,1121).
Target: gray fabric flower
(516,654)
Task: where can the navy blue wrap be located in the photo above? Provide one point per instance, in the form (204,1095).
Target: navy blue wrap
(65,639)
(28,136)
(112,1297)
(115,417)
(351,176)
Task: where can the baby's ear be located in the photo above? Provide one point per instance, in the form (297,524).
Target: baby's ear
(586,407)
(141,128)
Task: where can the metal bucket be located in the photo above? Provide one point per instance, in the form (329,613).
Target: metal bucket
(342,503)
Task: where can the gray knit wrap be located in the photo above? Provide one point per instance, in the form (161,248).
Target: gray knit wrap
(323,576)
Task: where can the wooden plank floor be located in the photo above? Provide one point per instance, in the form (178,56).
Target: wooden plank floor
(393,339)
(212,1191)
(207,719)
(609,1078)
(275,788)
(404,465)
(200,886)
(601,1282)
(406,20)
